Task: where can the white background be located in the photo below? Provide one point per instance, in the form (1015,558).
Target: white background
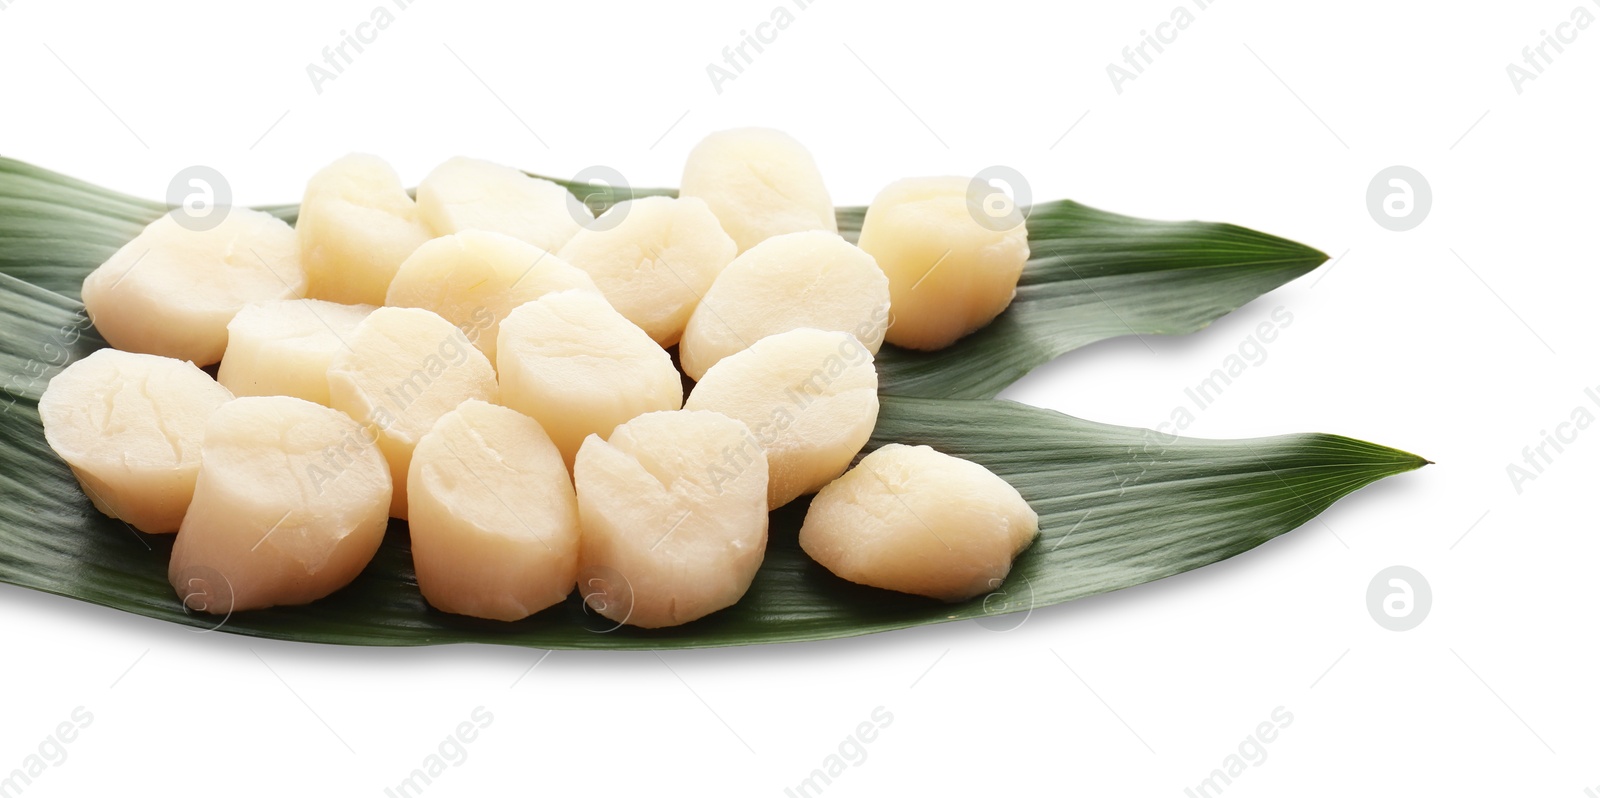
(1460,340)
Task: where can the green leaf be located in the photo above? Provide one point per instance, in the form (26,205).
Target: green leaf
(1117,506)
(57,229)
(1093,275)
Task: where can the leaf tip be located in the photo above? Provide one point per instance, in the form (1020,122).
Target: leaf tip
(1412,462)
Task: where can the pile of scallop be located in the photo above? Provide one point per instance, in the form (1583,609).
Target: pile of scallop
(492,363)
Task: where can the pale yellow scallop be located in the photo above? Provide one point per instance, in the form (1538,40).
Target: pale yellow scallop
(130,426)
(915,520)
(469,194)
(672,529)
(493,518)
(760,183)
(403,369)
(290,506)
(794,280)
(171,291)
(473,279)
(284,347)
(656,262)
(574,364)
(948,274)
(357,225)
(810,397)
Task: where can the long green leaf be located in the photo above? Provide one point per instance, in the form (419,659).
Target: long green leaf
(56,229)
(1118,507)
(1093,275)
